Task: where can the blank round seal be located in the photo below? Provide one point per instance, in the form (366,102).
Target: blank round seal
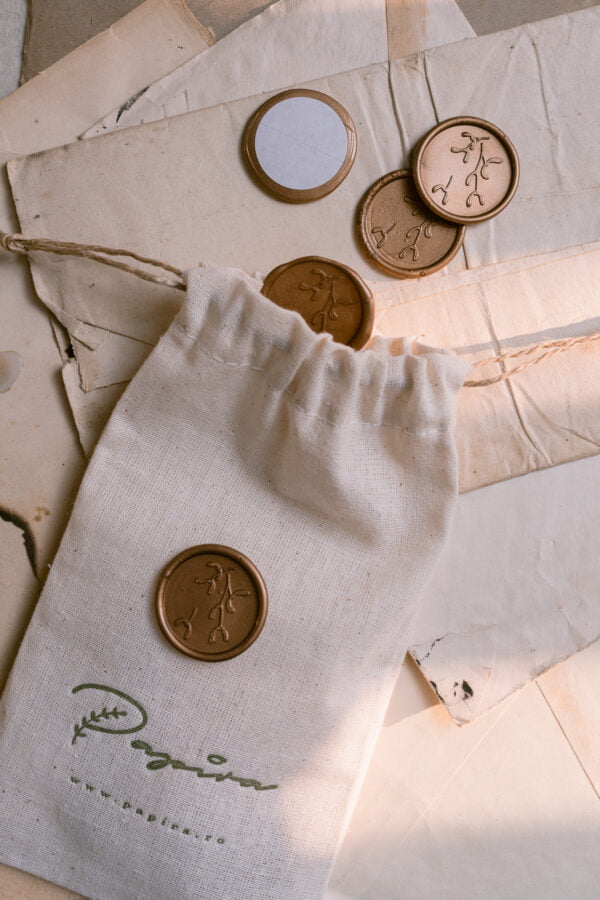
(300,145)
(400,233)
(211,602)
(330,297)
(466,170)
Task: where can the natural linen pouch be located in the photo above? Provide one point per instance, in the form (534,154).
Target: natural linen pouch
(334,472)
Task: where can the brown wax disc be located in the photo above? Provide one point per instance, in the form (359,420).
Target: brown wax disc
(466,170)
(328,295)
(400,233)
(300,145)
(211,602)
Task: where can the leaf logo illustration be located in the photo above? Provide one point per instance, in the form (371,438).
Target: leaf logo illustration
(107,720)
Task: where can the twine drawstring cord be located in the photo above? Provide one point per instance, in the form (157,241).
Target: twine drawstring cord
(18,243)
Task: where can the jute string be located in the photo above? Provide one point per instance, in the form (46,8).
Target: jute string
(17,243)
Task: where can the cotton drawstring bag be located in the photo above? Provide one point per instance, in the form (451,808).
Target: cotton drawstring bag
(129,769)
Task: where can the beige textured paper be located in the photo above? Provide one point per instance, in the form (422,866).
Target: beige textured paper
(52,109)
(553,126)
(516,590)
(42,460)
(548,414)
(257,232)
(336,36)
(500,809)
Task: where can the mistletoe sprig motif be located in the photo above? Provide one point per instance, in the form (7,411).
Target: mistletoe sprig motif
(444,189)
(94,718)
(423,229)
(324,289)
(383,233)
(413,235)
(220,581)
(473,146)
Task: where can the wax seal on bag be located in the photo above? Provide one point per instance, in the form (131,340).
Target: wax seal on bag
(300,145)
(400,233)
(466,170)
(211,602)
(329,296)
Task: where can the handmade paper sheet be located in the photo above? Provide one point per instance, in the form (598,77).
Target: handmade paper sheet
(499,809)
(547,770)
(556,205)
(336,36)
(517,589)
(60,27)
(187,180)
(47,111)
(40,450)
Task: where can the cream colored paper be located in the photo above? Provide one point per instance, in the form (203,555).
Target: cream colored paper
(439,734)
(188,179)
(500,809)
(42,460)
(336,37)
(544,416)
(300,40)
(515,593)
(51,109)
(570,691)
(57,28)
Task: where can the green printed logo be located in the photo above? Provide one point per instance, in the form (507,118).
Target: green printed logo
(128,716)
(93,721)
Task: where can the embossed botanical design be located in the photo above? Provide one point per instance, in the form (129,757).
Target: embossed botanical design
(324,291)
(473,148)
(383,232)
(220,584)
(444,189)
(413,235)
(423,229)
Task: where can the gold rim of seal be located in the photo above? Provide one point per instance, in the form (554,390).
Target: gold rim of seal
(502,137)
(294,195)
(243,562)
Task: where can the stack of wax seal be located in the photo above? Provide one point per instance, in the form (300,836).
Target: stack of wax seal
(412,223)
(301,144)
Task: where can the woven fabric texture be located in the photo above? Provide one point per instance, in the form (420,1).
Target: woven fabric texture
(334,471)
